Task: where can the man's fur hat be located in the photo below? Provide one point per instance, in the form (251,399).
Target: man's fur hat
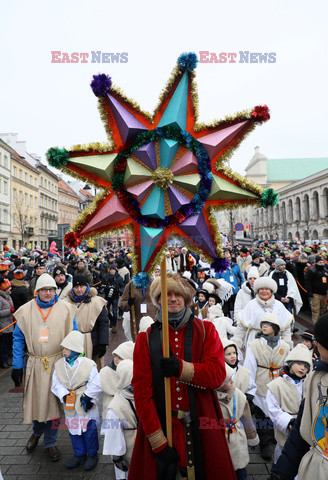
(175,283)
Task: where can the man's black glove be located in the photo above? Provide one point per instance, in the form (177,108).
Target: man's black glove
(167,463)
(86,402)
(101,350)
(131,301)
(170,366)
(249,398)
(291,423)
(17,376)
(65,397)
(121,463)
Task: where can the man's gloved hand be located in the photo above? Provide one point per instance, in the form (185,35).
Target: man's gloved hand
(131,301)
(101,350)
(167,463)
(65,397)
(170,366)
(291,424)
(249,397)
(17,376)
(121,463)
(86,402)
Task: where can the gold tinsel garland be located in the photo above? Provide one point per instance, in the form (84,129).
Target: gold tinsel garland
(242,181)
(215,228)
(163,177)
(96,146)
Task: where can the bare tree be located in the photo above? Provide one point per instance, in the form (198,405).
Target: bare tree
(231,216)
(22,222)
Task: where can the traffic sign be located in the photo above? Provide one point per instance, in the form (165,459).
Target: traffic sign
(239,227)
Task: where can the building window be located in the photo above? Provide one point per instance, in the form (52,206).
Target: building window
(41,181)
(20,197)
(14,195)
(31,180)
(35,182)
(5,215)
(14,219)
(31,200)
(15,172)
(26,178)
(21,174)
(26,199)
(5,188)
(5,161)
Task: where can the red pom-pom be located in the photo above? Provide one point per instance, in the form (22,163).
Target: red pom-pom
(261,113)
(72,240)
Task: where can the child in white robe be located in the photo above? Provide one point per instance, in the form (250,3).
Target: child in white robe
(121,422)
(284,394)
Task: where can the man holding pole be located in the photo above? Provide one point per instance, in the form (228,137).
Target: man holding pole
(194,369)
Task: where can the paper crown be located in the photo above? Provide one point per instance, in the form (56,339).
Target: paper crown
(161,174)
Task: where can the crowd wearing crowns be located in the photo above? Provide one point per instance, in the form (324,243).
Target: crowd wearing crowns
(250,310)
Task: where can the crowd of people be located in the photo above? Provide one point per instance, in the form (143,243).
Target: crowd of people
(237,373)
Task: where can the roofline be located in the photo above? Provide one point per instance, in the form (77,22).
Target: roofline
(314,176)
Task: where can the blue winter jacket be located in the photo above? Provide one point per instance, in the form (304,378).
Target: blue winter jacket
(231,275)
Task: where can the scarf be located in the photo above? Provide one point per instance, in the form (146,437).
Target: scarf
(264,304)
(70,359)
(272,341)
(81,297)
(46,304)
(61,286)
(176,320)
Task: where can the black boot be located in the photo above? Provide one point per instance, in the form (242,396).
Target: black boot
(266,452)
(91,462)
(75,461)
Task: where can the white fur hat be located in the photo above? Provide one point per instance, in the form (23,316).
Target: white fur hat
(124,373)
(44,281)
(270,318)
(125,350)
(253,273)
(265,282)
(208,287)
(300,353)
(215,311)
(74,341)
(145,323)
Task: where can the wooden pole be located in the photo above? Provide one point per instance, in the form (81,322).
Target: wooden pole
(166,352)
(133,314)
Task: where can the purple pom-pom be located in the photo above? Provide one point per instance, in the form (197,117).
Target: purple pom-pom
(101,84)
(220,265)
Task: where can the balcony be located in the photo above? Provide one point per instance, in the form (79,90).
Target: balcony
(29,231)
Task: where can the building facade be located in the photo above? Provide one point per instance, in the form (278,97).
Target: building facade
(48,204)
(5,184)
(24,203)
(302,211)
(68,204)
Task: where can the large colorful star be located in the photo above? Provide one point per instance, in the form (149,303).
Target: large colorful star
(164,174)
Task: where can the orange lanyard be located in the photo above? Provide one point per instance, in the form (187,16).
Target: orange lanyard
(44,317)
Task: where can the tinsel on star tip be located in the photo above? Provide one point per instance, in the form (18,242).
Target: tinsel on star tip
(269,198)
(188,61)
(101,84)
(57,157)
(220,264)
(141,280)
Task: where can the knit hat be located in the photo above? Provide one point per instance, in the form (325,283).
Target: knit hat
(321,330)
(45,280)
(265,282)
(125,350)
(175,283)
(215,311)
(59,270)
(74,341)
(307,335)
(18,274)
(145,323)
(17,262)
(113,267)
(302,258)
(203,291)
(253,273)
(270,318)
(209,287)
(5,285)
(4,267)
(124,372)
(255,256)
(300,353)
(79,280)
(279,262)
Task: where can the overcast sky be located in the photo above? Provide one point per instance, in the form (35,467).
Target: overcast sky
(51,104)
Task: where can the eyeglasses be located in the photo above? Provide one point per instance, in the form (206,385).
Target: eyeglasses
(315,343)
(47,290)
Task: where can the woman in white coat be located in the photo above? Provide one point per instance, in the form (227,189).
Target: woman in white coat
(246,293)
(248,319)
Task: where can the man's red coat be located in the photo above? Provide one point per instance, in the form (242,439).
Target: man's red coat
(209,373)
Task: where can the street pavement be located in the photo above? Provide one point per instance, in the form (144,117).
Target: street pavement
(16,463)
